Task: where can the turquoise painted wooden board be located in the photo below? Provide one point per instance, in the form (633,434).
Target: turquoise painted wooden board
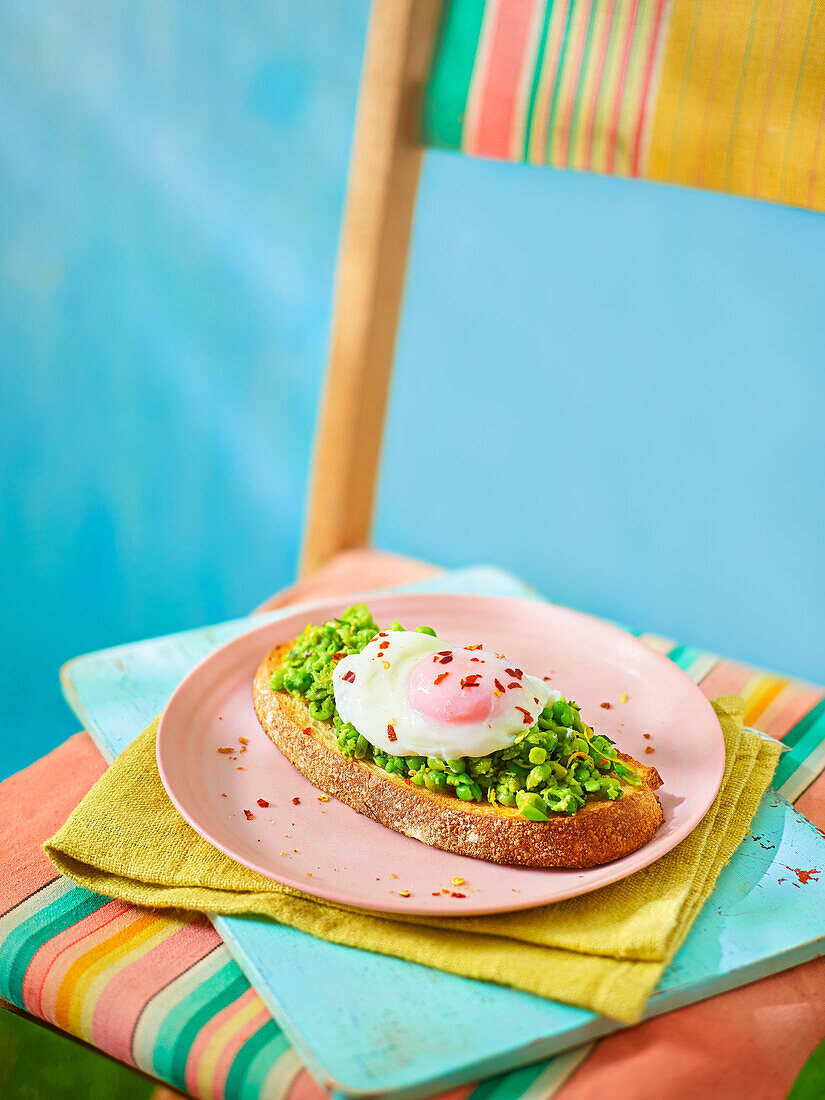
(365,1024)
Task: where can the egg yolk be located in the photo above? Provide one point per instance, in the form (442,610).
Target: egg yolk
(459,686)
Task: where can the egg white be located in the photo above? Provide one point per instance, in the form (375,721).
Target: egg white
(377,697)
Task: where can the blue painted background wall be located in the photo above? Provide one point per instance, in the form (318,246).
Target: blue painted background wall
(625,382)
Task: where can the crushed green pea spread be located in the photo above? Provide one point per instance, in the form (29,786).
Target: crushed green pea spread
(554,766)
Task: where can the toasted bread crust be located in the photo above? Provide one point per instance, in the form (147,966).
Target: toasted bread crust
(600,832)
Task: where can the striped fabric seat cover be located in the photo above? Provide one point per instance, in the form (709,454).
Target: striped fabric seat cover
(162,993)
(721,94)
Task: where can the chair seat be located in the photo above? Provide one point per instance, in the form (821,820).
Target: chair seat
(161,992)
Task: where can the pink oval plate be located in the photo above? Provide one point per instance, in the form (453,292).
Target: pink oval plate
(326,849)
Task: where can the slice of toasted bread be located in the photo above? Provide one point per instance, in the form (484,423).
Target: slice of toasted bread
(600,832)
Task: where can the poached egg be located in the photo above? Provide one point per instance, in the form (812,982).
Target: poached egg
(409,694)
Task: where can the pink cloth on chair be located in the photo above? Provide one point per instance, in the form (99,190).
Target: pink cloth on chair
(353,571)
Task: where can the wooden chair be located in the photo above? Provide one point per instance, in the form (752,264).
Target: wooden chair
(386,162)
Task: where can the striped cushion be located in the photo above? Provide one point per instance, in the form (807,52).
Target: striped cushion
(158,993)
(728,95)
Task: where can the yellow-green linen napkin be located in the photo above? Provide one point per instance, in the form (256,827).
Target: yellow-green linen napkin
(604,951)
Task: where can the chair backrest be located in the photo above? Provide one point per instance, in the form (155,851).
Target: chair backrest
(729,97)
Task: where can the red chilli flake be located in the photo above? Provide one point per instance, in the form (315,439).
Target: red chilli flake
(384,645)
(478,660)
(248,814)
(498,684)
(471,681)
(606,706)
(528,717)
(516,673)
(262,802)
(391,734)
(226,751)
(440,677)
(472,647)
(804,876)
(296,801)
(445,659)
(349,677)
(514,684)
(456,894)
